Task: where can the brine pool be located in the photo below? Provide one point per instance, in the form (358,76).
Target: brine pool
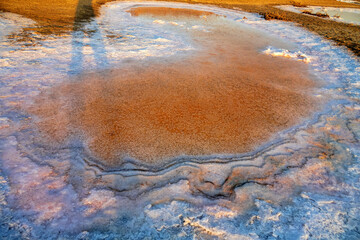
(167,120)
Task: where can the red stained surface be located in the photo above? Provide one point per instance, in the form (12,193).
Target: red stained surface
(226,98)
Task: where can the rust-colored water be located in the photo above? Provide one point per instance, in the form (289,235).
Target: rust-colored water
(226,98)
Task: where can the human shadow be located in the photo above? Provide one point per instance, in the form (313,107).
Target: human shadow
(86,27)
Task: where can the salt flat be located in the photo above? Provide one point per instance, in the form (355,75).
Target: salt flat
(69,101)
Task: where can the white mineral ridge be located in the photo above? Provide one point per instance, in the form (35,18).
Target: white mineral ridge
(299,56)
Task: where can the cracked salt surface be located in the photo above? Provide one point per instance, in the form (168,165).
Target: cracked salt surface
(305,185)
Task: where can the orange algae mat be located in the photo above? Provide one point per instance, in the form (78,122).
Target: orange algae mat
(225,98)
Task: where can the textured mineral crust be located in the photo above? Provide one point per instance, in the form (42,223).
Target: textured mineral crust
(174,123)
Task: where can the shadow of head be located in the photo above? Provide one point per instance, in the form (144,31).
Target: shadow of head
(84,13)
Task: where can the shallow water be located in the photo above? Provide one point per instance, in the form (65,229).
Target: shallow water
(350,1)
(222,98)
(61,191)
(346,15)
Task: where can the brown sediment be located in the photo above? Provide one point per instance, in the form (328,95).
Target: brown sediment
(44,10)
(168,12)
(226,98)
